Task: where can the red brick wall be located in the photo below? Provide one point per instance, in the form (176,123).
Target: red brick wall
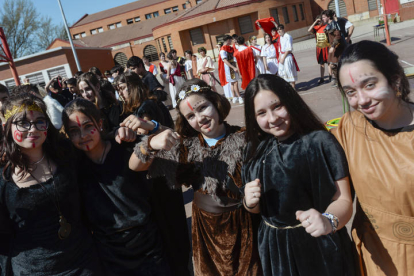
(407,11)
(89,58)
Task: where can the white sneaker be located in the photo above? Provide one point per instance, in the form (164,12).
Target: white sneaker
(241,100)
(235,100)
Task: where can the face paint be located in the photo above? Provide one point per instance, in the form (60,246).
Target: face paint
(87,147)
(45,133)
(189,105)
(93,131)
(350,75)
(18,136)
(33,145)
(209,129)
(77,120)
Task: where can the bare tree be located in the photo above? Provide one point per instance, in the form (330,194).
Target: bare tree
(19,20)
(25,30)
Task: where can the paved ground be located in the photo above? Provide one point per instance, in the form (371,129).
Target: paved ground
(326,100)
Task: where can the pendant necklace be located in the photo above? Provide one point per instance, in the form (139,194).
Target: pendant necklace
(37,162)
(277,144)
(65,227)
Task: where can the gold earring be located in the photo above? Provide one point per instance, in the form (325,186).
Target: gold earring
(399,94)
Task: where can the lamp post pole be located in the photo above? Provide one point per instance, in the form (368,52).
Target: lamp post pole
(70,38)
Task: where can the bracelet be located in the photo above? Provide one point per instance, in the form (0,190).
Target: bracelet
(333,220)
(245,204)
(155,129)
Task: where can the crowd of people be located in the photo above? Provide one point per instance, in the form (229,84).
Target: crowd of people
(92,168)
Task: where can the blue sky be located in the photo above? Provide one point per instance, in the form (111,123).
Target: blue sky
(74,9)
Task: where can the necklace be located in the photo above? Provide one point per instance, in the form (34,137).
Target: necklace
(65,227)
(41,159)
(277,144)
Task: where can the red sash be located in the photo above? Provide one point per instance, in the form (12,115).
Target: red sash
(256,48)
(293,57)
(222,72)
(151,68)
(247,68)
(162,69)
(176,73)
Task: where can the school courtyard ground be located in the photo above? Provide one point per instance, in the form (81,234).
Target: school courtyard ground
(325,100)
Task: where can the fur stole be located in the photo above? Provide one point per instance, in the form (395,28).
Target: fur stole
(193,162)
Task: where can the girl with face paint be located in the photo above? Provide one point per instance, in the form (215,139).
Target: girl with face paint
(105,100)
(206,153)
(378,141)
(115,199)
(296,176)
(41,229)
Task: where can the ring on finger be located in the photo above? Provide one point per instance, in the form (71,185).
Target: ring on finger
(307,220)
(254,194)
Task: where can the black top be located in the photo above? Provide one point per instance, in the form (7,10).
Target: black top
(299,174)
(151,81)
(342,23)
(114,196)
(62,97)
(29,224)
(111,117)
(116,204)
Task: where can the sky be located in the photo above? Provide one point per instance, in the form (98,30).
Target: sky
(74,9)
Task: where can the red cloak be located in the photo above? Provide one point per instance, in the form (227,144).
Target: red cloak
(245,60)
(222,72)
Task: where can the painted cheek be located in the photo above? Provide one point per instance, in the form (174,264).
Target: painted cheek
(17,136)
(45,133)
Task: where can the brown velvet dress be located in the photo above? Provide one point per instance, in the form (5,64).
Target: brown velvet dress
(381,164)
(224,234)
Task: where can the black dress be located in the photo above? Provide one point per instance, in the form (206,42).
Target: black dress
(118,211)
(299,174)
(29,223)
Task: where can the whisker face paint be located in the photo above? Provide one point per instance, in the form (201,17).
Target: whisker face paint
(189,105)
(17,136)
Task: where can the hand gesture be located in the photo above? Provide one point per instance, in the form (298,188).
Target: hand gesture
(252,193)
(313,221)
(165,140)
(125,134)
(135,123)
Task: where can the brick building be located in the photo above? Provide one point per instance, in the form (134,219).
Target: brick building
(41,67)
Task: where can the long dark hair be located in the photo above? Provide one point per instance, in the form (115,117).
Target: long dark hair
(12,157)
(138,92)
(220,103)
(383,60)
(92,80)
(303,120)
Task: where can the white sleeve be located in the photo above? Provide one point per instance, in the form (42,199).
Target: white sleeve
(348,25)
(155,72)
(223,54)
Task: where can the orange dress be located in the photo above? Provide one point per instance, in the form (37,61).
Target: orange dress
(381,165)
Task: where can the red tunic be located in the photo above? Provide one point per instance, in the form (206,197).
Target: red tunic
(222,72)
(247,68)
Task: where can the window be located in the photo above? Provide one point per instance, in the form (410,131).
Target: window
(130,21)
(175,9)
(100,30)
(60,71)
(245,24)
(170,42)
(148,16)
(220,38)
(372,5)
(184,6)
(76,36)
(151,52)
(275,15)
(163,44)
(302,14)
(118,25)
(137,19)
(94,31)
(111,27)
(37,79)
(285,15)
(83,34)
(151,15)
(121,59)
(197,36)
(167,11)
(295,13)
(159,45)
(199,1)
(155,14)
